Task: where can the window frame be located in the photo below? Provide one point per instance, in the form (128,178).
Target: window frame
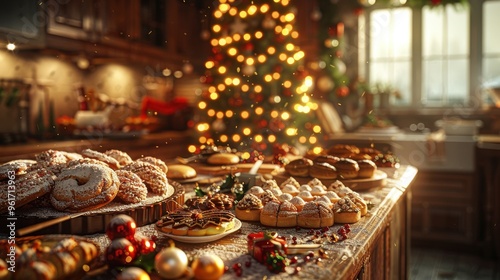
(475,62)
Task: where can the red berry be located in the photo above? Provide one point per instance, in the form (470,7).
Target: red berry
(294,238)
(307,258)
(237,266)
(294,260)
(226,268)
(297,270)
(310,254)
(248,263)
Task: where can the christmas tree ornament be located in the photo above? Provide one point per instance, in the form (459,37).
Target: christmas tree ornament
(121,226)
(171,262)
(120,252)
(133,273)
(325,83)
(208,267)
(143,244)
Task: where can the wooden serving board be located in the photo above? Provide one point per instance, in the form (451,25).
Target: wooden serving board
(217,170)
(379,179)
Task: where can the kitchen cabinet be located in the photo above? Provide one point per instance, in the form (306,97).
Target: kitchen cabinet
(143,31)
(489,178)
(445,210)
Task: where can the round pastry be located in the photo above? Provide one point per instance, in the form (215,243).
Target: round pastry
(154,178)
(347,168)
(299,167)
(249,208)
(267,197)
(257,191)
(180,172)
(270,184)
(132,189)
(316,182)
(122,157)
(27,188)
(16,167)
(357,157)
(306,196)
(323,171)
(290,181)
(318,190)
(285,196)
(315,215)
(221,201)
(269,214)
(326,159)
(346,212)
(290,189)
(342,150)
(371,152)
(333,196)
(305,188)
(277,192)
(223,159)
(84,187)
(367,168)
(324,199)
(111,162)
(339,188)
(53,160)
(298,202)
(359,201)
(287,215)
(156,162)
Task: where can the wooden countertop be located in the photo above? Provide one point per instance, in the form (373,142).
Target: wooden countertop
(346,258)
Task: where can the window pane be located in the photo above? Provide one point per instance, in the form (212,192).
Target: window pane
(457,80)
(458,30)
(432,81)
(491,23)
(402,82)
(401,33)
(380,34)
(491,43)
(432,31)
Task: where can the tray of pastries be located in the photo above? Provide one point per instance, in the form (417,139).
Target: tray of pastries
(88,188)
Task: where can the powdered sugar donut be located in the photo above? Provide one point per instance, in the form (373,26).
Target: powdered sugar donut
(28,187)
(76,162)
(84,187)
(18,167)
(155,161)
(122,157)
(132,189)
(111,162)
(154,178)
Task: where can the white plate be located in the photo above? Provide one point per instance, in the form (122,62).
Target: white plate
(202,239)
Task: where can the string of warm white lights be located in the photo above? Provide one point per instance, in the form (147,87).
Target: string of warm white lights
(258,93)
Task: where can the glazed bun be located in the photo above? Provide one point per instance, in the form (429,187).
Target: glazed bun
(223,159)
(323,171)
(367,168)
(299,167)
(347,168)
(326,159)
(315,215)
(342,150)
(180,171)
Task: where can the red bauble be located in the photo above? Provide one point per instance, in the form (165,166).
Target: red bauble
(248,47)
(120,252)
(343,91)
(143,244)
(121,226)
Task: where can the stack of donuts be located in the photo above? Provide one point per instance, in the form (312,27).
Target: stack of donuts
(78,182)
(311,205)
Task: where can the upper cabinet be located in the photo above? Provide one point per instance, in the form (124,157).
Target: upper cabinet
(146,31)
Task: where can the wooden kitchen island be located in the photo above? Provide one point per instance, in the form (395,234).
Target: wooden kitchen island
(376,248)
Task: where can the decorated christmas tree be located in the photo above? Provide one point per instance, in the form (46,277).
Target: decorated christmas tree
(258,94)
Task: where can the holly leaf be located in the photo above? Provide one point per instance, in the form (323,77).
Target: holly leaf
(146,262)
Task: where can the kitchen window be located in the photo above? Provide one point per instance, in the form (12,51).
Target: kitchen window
(435,57)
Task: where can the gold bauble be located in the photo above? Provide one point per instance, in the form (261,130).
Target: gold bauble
(133,273)
(171,263)
(208,267)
